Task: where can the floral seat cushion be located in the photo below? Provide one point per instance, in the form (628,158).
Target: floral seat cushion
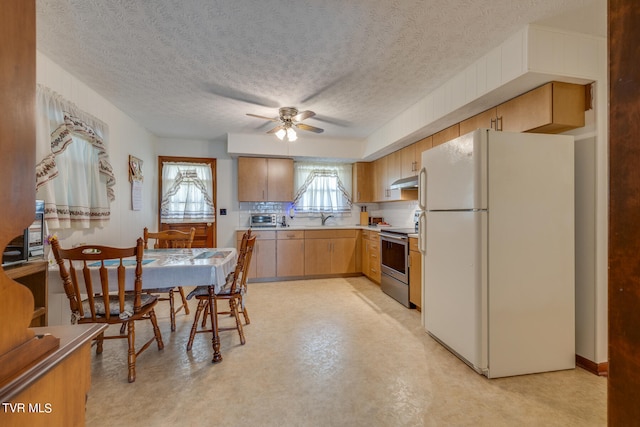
(114,305)
(226,289)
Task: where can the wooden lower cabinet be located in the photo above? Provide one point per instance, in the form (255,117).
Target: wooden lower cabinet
(290,253)
(371,255)
(299,253)
(263,260)
(330,252)
(415,273)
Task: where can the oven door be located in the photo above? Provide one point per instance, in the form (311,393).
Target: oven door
(394,254)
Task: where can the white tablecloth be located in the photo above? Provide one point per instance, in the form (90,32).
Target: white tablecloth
(166,268)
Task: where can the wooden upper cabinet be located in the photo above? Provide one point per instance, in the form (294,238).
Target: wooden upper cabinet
(421,146)
(363,182)
(265,180)
(380,181)
(252,179)
(408,162)
(394,167)
(447,134)
(552,108)
(485,120)
(280,180)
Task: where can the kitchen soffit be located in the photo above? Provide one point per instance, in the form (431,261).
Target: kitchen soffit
(194,69)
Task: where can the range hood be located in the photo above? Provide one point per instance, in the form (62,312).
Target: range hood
(410,183)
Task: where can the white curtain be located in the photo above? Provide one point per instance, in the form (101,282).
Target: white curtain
(187,193)
(322,187)
(73,174)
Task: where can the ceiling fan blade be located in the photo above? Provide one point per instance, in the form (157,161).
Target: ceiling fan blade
(332,121)
(325,88)
(308,127)
(275,129)
(238,95)
(303,115)
(273,119)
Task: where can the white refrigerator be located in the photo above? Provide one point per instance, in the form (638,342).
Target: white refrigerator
(497,237)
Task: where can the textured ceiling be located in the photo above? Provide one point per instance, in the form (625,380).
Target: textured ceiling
(193,68)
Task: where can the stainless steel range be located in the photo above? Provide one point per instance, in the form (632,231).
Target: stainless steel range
(394,260)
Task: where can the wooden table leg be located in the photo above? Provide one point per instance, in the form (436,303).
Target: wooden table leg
(213,312)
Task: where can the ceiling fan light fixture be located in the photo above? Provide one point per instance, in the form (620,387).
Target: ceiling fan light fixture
(289,118)
(291,134)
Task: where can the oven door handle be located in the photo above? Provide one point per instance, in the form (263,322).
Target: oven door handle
(394,237)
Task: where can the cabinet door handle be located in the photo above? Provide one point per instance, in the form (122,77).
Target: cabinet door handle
(499,123)
(493,124)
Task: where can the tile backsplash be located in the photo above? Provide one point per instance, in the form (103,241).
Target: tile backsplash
(398,214)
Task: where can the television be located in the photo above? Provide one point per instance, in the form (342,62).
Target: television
(29,245)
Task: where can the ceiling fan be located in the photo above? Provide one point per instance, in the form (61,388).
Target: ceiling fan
(288,119)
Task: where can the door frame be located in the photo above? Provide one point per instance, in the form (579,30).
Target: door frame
(208,160)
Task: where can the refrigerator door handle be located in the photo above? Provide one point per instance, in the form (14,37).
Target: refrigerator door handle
(422,229)
(422,189)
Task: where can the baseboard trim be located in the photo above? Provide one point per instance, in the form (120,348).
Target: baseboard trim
(600,369)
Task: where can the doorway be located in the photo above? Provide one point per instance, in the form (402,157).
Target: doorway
(187,197)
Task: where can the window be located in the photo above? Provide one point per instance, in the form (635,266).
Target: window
(73,174)
(322,187)
(187,193)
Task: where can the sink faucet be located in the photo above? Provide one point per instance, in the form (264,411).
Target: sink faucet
(324,218)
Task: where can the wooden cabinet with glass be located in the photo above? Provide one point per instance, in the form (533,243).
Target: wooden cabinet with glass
(265,179)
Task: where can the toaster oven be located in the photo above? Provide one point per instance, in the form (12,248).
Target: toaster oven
(263,220)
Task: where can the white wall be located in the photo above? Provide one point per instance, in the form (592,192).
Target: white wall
(307,145)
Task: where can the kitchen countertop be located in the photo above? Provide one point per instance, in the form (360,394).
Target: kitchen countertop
(314,227)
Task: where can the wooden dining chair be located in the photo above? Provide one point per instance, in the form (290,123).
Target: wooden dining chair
(165,240)
(242,306)
(232,292)
(104,303)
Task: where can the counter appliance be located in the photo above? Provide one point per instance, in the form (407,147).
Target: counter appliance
(497,234)
(263,220)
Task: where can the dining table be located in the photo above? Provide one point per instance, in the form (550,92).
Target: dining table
(167,268)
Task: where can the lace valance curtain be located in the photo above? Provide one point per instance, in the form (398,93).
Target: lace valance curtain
(187,193)
(73,174)
(322,187)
